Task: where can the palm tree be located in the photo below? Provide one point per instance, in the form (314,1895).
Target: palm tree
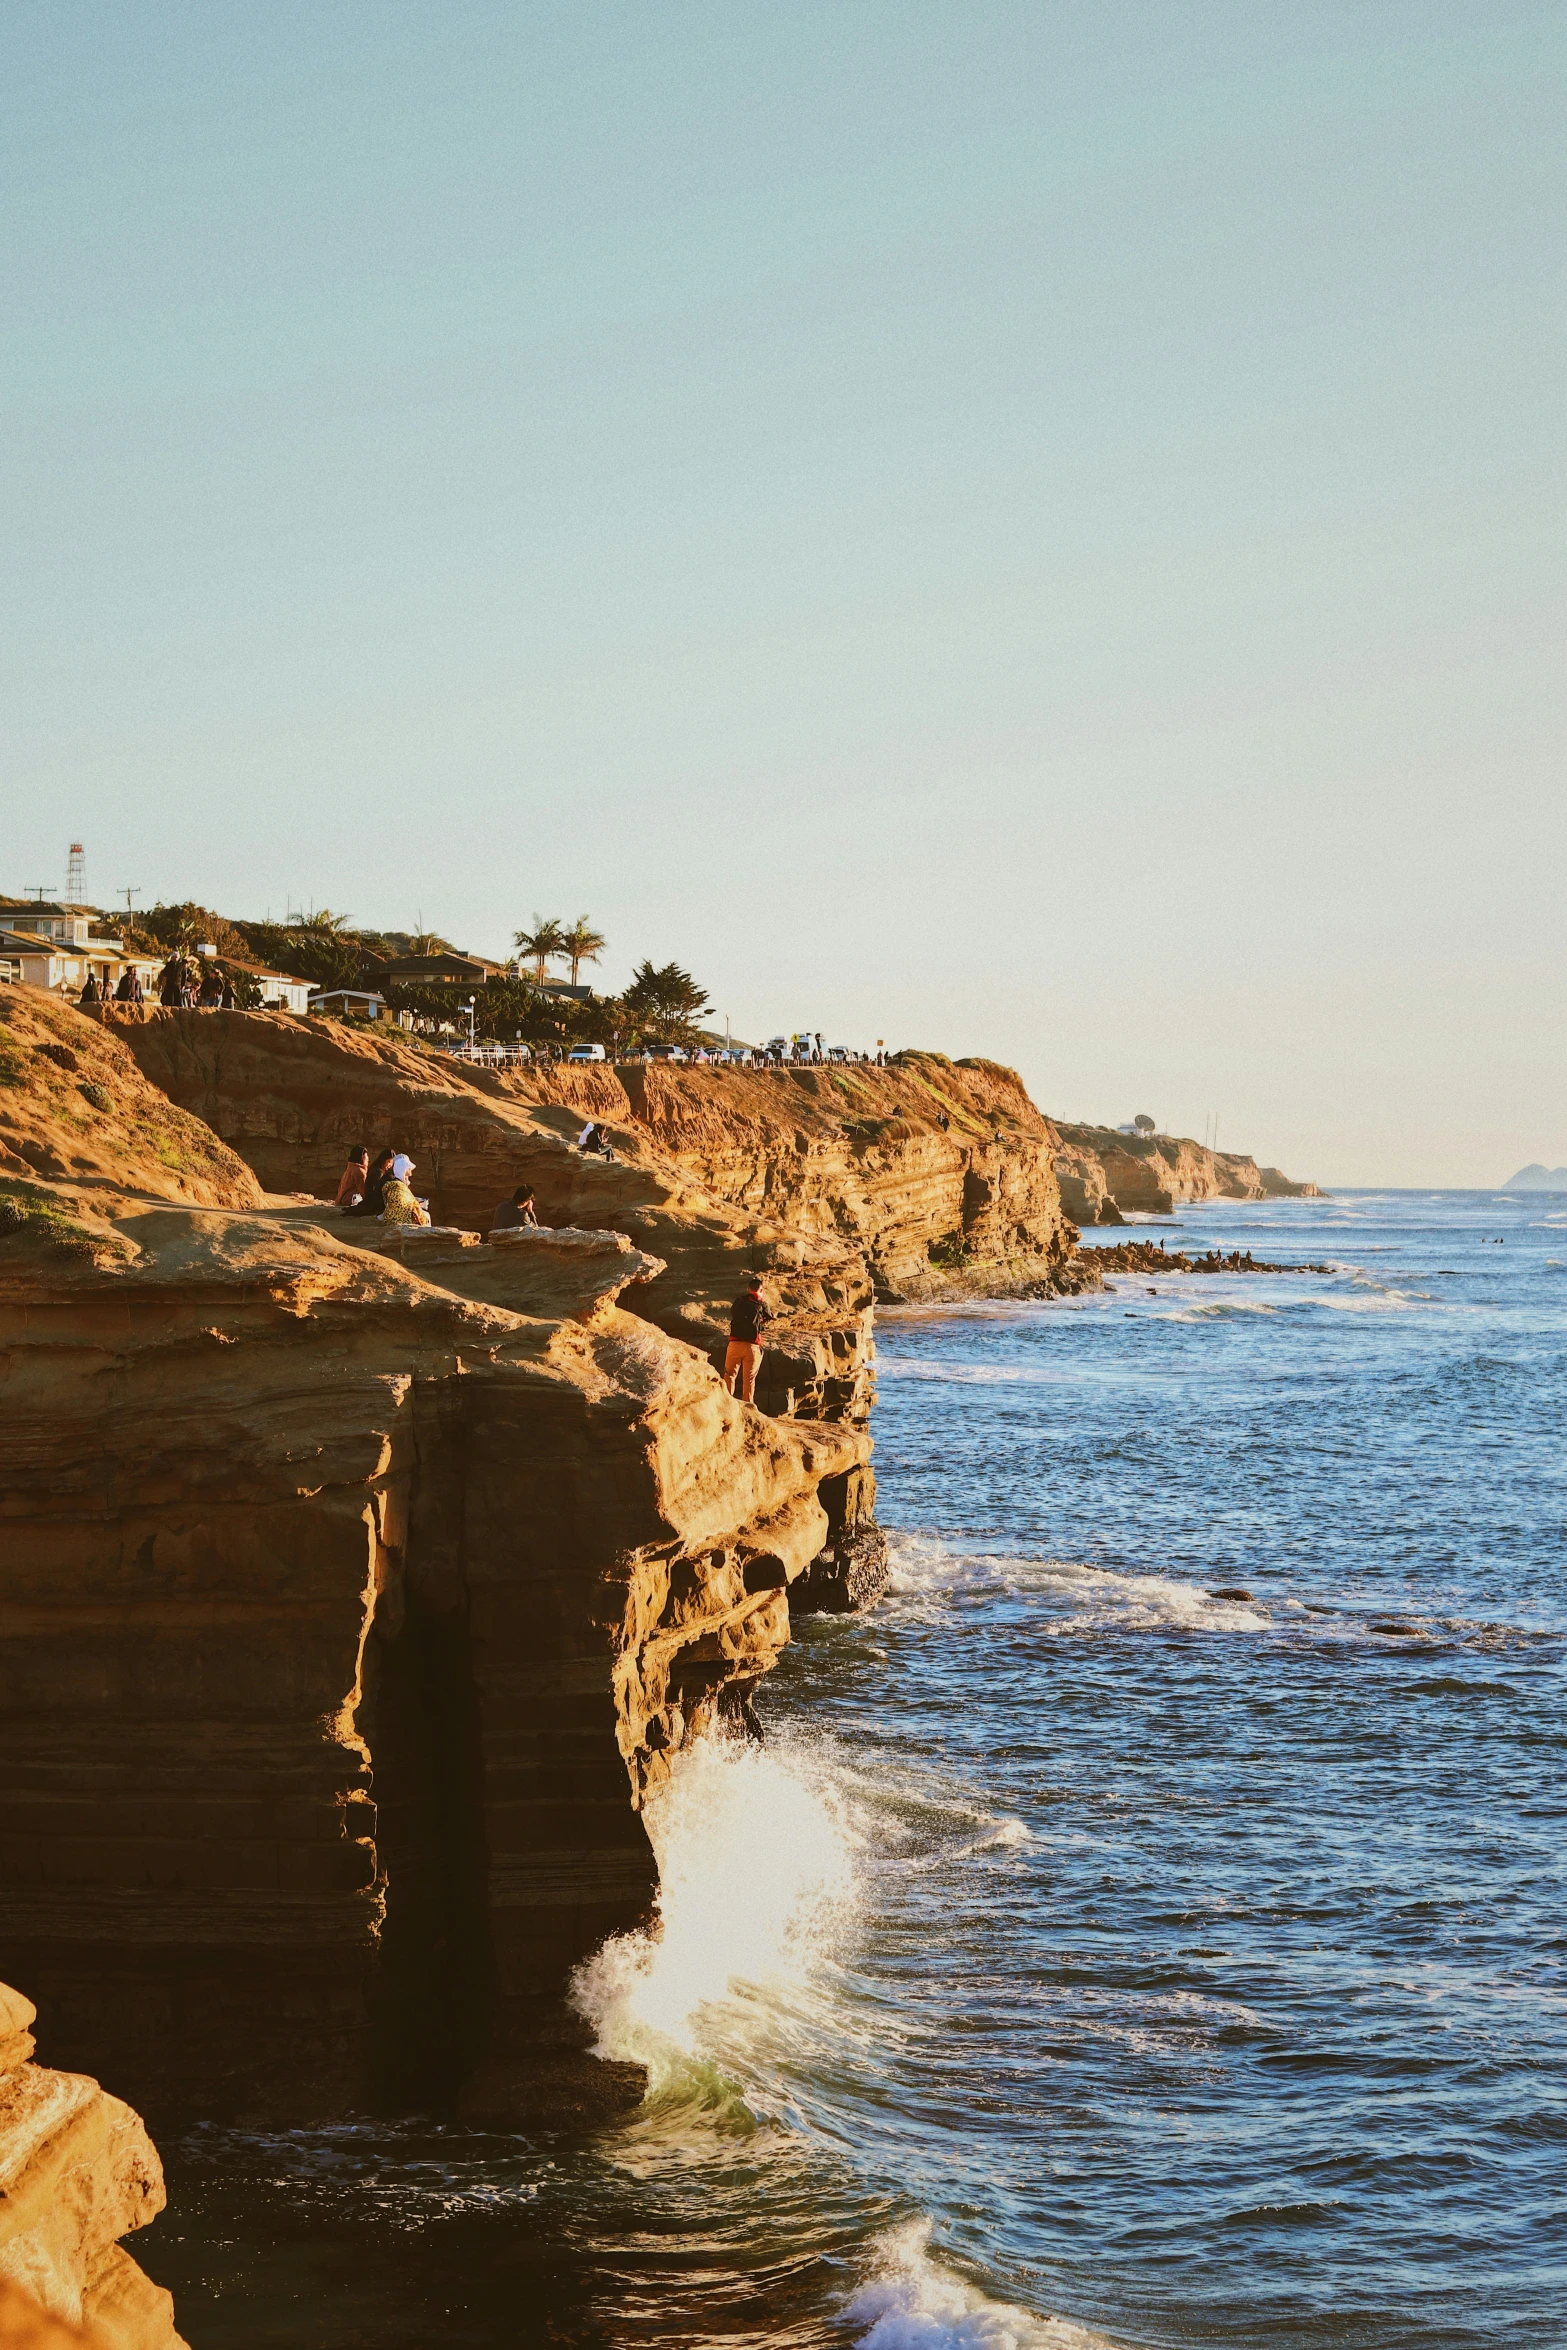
(543,942)
(581,944)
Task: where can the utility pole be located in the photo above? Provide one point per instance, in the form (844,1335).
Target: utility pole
(127,895)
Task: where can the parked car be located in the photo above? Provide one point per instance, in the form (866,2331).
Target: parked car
(737,1056)
(586,1052)
(670,1052)
(839,1052)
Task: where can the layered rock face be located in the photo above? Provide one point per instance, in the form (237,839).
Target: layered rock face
(77,2172)
(351,1608)
(75,1108)
(1105,1175)
(856,1160)
(359,1584)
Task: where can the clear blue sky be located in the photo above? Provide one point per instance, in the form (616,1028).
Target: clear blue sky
(1033,530)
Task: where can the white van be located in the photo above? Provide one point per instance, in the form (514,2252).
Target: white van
(586,1052)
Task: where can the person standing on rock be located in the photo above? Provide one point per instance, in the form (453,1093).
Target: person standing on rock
(748,1318)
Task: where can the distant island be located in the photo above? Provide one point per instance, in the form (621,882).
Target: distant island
(1537,1178)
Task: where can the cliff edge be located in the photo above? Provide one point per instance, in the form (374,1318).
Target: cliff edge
(1106,1175)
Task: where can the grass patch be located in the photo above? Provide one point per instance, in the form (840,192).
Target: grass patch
(33,1215)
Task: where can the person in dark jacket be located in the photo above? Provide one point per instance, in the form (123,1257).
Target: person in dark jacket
(171,981)
(748,1318)
(375,1185)
(89,994)
(519,1209)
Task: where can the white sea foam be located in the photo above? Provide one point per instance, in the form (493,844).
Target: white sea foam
(755,1878)
(912,2303)
(1093,1598)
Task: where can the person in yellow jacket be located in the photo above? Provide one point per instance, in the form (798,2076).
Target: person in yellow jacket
(398,1205)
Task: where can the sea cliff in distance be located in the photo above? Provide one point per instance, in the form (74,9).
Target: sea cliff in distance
(1537,1178)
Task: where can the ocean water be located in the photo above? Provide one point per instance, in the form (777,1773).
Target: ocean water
(1146,1928)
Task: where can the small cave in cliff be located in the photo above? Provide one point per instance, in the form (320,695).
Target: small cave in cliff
(434,1986)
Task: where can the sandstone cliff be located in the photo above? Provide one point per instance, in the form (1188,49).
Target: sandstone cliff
(347,1618)
(75,1108)
(937,1176)
(77,2172)
(359,1584)
(1106,1175)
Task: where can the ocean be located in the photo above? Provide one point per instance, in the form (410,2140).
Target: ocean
(1144,1928)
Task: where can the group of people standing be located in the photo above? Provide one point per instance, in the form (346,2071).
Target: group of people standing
(179,987)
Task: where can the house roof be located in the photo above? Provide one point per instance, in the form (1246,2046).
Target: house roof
(440,967)
(261,970)
(52,906)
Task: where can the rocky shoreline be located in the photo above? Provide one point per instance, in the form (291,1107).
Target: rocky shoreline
(1151,1256)
(363,1582)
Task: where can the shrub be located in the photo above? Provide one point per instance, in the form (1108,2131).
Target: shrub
(99,1095)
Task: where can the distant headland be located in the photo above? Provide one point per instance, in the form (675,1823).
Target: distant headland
(1537,1178)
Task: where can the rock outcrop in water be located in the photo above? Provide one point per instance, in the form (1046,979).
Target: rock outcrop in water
(1105,1175)
(77,2172)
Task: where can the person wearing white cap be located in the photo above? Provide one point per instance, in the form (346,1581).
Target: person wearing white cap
(398,1205)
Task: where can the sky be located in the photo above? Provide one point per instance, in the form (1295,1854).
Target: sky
(1023,530)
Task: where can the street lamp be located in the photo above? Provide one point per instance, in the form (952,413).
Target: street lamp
(472,1002)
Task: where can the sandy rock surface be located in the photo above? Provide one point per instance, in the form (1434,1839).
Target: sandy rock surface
(77,2172)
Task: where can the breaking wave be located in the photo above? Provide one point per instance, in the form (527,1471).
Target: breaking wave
(910,2302)
(756,1878)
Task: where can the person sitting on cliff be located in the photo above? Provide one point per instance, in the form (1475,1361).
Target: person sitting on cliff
(130,989)
(748,1318)
(375,1184)
(351,1187)
(516,1211)
(593,1142)
(89,994)
(398,1205)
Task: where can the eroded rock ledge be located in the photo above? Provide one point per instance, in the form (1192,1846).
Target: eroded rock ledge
(77,2172)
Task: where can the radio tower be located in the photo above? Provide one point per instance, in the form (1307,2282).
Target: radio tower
(76,875)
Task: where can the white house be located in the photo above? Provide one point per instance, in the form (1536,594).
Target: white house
(280,990)
(349,1003)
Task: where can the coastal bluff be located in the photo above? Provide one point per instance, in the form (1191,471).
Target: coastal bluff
(1106,1175)
(361,1583)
